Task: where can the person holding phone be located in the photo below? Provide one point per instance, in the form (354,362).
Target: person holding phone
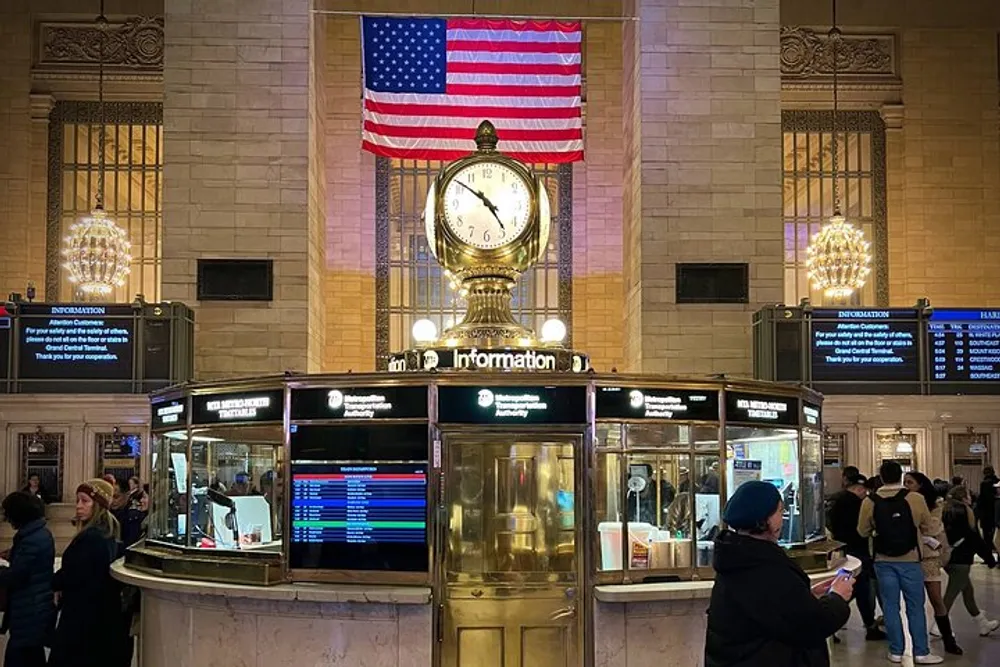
(751,569)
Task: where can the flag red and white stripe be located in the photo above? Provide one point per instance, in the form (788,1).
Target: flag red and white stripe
(523,76)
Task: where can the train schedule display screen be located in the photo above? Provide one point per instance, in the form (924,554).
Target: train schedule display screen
(853,345)
(964,348)
(359,516)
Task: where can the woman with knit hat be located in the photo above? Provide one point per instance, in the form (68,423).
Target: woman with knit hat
(744,628)
(89,627)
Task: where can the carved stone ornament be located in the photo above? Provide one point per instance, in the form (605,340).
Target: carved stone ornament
(135,44)
(806,53)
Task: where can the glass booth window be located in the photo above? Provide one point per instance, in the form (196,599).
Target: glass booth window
(227,495)
(236,487)
(814,525)
(770,455)
(664,491)
(169,488)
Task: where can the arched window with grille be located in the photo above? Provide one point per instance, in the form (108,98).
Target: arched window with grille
(411,285)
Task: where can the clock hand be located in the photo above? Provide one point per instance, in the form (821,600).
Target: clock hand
(493,209)
(478,194)
(486,202)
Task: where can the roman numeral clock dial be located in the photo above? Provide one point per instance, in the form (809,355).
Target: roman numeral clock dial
(487,205)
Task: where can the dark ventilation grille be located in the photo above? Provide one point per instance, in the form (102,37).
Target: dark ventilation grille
(713,283)
(235,280)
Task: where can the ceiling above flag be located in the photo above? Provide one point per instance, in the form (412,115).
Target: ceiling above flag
(430,82)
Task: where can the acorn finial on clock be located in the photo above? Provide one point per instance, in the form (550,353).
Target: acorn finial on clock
(486,137)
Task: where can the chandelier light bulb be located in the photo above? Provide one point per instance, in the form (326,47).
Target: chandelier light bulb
(97,253)
(838,259)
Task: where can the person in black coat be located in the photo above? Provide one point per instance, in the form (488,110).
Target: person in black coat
(842,520)
(763,610)
(89,633)
(29,615)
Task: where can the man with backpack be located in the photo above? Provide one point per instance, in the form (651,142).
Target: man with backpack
(896,519)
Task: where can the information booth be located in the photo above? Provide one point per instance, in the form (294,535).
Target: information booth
(457,519)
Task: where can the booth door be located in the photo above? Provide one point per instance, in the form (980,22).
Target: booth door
(511,558)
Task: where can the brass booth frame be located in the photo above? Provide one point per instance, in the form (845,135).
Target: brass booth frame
(550,601)
(268,568)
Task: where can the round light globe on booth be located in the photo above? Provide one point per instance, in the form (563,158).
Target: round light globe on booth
(553,331)
(424,331)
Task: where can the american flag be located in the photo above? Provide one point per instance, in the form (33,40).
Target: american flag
(430,82)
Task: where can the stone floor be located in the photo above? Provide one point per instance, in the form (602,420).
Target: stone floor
(854,651)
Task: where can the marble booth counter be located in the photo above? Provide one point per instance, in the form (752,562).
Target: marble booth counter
(202,624)
(661,624)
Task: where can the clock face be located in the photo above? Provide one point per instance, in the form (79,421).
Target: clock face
(487,205)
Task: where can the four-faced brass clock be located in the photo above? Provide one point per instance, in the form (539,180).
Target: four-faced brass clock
(487,221)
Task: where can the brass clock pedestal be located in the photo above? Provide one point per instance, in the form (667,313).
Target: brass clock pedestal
(489,321)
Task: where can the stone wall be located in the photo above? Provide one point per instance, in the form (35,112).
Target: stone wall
(349,274)
(709,161)
(943,142)
(949,249)
(18,263)
(598,315)
(236,181)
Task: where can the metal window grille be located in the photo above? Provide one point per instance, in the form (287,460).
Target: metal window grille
(970,452)
(118,454)
(887,448)
(42,455)
(133,187)
(807,192)
(834,449)
(410,284)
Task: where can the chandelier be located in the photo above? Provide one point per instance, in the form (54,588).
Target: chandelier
(97,254)
(97,251)
(837,259)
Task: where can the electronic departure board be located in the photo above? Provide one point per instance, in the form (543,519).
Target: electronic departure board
(865,346)
(359,516)
(964,350)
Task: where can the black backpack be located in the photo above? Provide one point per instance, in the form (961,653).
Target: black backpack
(895,533)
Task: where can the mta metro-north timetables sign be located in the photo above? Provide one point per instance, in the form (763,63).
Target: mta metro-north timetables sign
(359,516)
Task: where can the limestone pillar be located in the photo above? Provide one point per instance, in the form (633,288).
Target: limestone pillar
(702,118)
(237,115)
(895,202)
(41,107)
